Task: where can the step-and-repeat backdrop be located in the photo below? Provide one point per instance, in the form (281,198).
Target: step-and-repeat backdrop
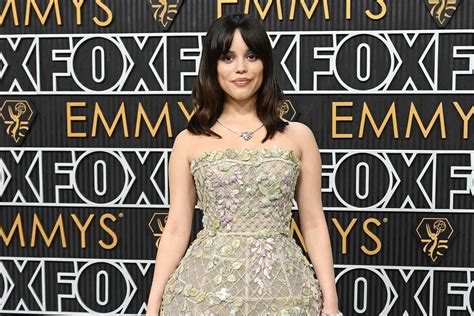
(92,94)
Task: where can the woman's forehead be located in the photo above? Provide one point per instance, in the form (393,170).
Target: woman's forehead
(238,44)
(246,50)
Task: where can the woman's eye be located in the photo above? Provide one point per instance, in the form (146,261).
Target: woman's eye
(226,57)
(253,56)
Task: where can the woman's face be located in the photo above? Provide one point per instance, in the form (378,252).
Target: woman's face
(240,71)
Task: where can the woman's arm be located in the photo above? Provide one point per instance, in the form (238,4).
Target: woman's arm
(175,237)
(312,221)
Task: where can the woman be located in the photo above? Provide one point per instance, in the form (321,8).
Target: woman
(244,261)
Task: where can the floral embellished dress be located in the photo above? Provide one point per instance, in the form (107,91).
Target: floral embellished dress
(244,261)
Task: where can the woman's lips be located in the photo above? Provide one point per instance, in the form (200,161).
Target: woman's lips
(241,82)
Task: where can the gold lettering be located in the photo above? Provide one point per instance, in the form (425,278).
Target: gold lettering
(78,4)
(220,3)
(12,5)
(348,9)
(309,12)
(70,118)
(107,11)
(42,17)
(344,233)
(153,129)
(37,225)
(373,236)
(17,224)
(426,131)
(110,129)
(465,118)
(82,228)
(108,230)
(263,12)
(378,131)
(381,14)
(185,111)
(336,118)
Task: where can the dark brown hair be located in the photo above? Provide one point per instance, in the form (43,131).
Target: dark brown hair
(208,97)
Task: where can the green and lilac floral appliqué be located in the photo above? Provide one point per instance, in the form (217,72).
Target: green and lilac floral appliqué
(244,261)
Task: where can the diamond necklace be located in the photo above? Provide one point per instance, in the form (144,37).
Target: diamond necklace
(245,135)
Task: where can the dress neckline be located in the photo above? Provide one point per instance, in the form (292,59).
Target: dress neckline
(236,152)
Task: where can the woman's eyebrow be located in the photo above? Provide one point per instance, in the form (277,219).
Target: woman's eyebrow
(248,51)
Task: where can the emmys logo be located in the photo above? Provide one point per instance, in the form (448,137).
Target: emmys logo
(165,11)
(434,233)
(442,10)
(157,225)
(286,108)
(17,116)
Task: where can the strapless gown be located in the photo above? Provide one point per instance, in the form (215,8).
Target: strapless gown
(244,261)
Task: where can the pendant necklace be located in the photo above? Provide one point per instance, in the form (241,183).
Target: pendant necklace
(245,135)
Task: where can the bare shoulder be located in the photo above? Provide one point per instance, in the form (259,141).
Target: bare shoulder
(302,135)
(183,141)
(185,136)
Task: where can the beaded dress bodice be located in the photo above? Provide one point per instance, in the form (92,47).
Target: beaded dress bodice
(241,190)
(244,261)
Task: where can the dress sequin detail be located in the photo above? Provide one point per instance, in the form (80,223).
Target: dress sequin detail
(244,261)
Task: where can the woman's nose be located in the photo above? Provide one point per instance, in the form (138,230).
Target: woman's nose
(241,65)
